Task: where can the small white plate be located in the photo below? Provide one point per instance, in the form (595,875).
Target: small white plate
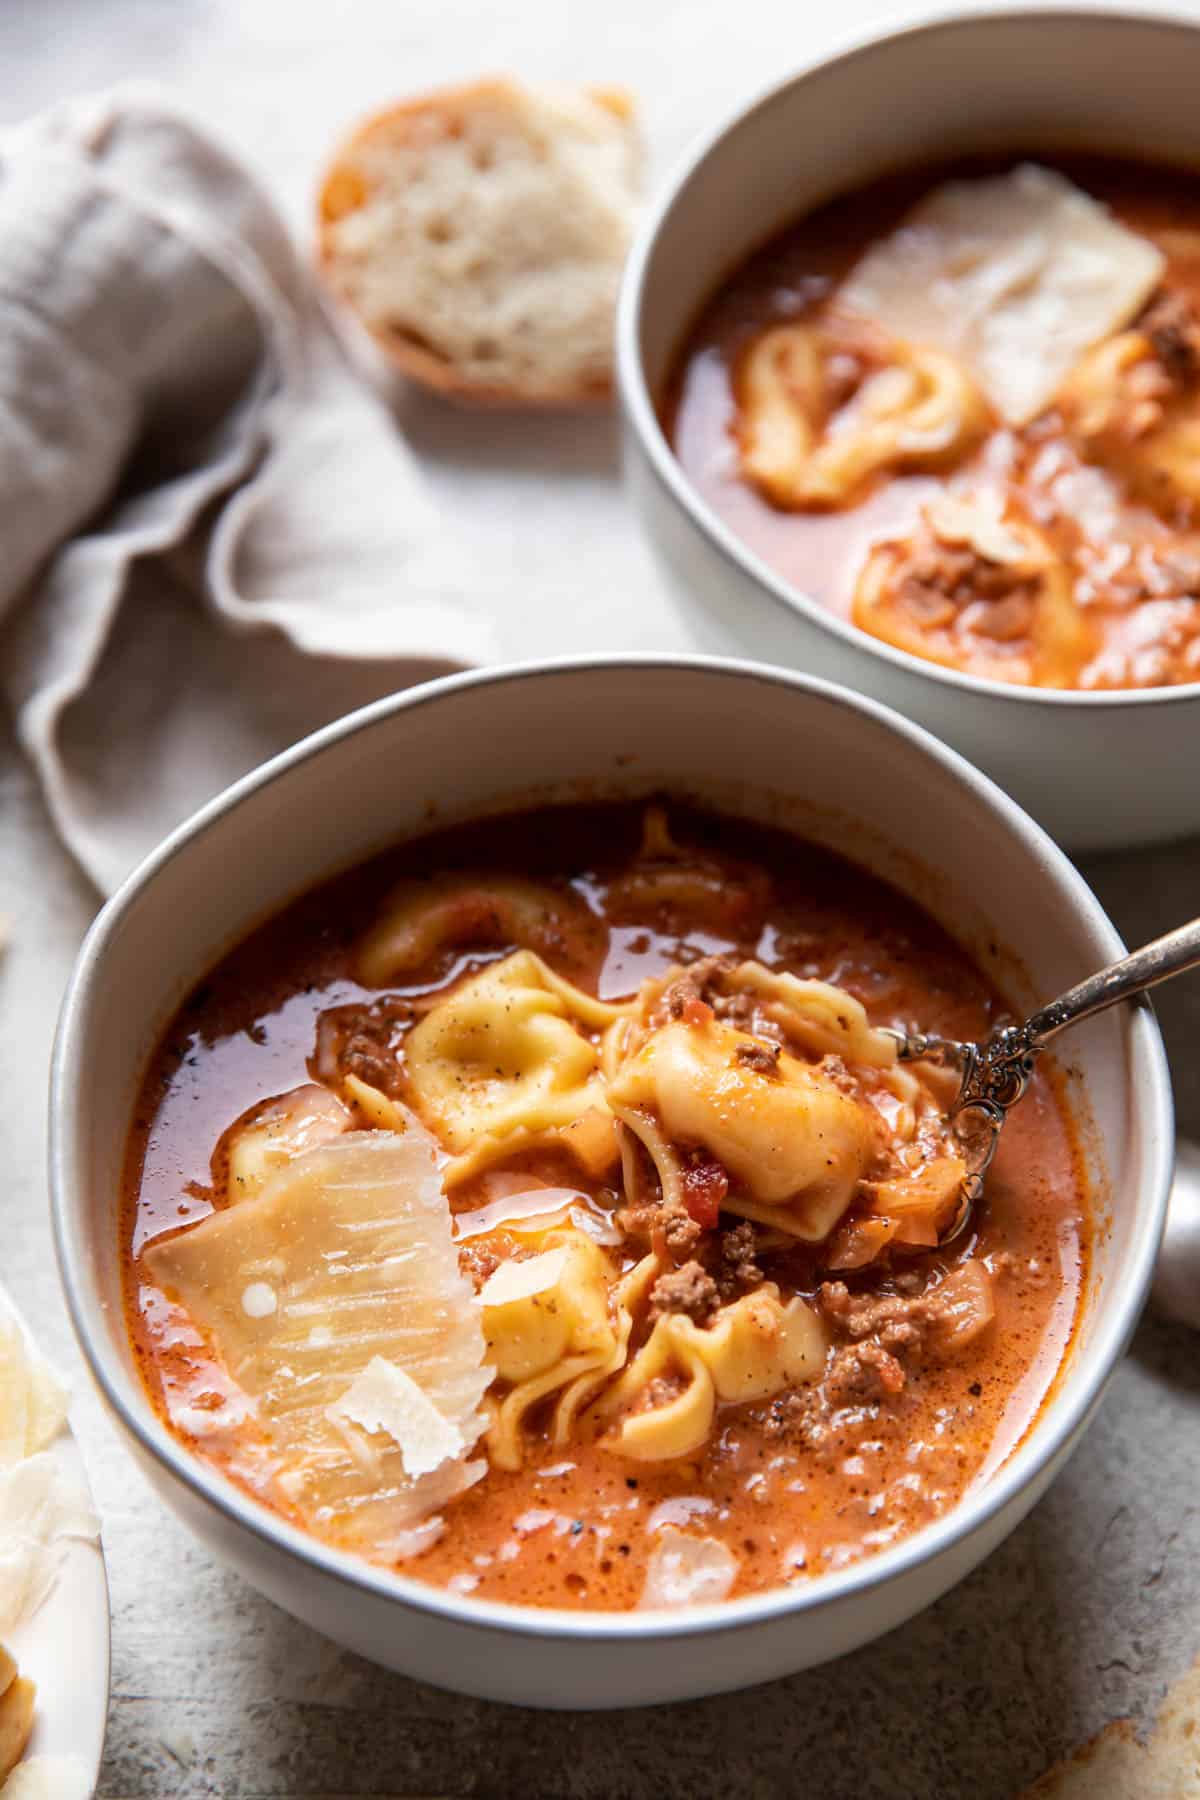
(64,1646)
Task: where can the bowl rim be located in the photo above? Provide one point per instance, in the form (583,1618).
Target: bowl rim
(637,400)
(1056,1427)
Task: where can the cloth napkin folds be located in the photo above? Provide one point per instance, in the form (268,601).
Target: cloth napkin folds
(215,538)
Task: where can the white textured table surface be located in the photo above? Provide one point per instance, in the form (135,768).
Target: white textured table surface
(1089,1608)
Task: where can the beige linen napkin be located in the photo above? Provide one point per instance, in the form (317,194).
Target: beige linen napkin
(214,538)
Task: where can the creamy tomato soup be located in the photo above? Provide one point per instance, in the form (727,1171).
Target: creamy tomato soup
(961,408)
(541,1209)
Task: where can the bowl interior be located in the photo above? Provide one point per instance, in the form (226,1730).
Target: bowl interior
(1017,81)
(776,747)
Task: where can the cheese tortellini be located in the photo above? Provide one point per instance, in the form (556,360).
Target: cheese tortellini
(820,1018)
(423,918)
(556,1323)
(976,591)
(506,1051)
(1131,404)
(757,1348)
(274,1133)
(805,446)
(797,1143)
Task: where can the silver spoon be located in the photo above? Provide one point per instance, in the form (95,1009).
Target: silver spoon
(994,1074)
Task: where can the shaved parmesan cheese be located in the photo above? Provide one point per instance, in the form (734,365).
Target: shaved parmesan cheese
(520,1280)
(684,1570)
(1015,274)
(353,1239)
(33,1401)
(49,1778)
(41,1510)
(385,1398)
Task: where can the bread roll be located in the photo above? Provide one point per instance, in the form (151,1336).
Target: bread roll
(479,232)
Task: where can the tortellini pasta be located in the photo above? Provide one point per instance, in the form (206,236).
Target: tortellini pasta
(566,1337)
(504,1053)
(975,591)
(797,1143)
(1130,410)
(822,1019)
(683,882)
(275,1132)
(423,918)
(756,1348)
(537,1310)
(909,408)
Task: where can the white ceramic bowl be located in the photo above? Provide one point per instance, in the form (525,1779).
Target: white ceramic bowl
(776,746)
(1098,769)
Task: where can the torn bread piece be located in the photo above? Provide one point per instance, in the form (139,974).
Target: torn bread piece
(479,235)
(335,1299)
(1117,1764)
(1016,274)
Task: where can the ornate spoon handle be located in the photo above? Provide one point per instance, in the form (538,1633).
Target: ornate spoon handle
(995,1074)
(1171,955)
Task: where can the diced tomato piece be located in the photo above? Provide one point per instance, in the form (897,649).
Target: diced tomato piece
(697,1012)
(705,1185)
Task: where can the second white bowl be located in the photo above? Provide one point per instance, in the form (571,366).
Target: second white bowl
(1097,769)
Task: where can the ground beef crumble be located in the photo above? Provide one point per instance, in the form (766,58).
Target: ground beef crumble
(363,1041)
(762,1058)
(799,1419)
(692,985)
(1174,333)
(862,1372)
(897,1321)
(689,1289)
(681,1233)
(938,580)
(736,1270)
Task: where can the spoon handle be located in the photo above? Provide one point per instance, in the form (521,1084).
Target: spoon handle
(1171,955)
(995,1073)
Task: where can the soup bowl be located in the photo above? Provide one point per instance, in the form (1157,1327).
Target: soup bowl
(1097,769)
(759,742)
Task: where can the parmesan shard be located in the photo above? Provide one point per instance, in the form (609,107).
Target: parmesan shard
(1015,274)
(385,1398)
(520,1280)
(354,1240)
